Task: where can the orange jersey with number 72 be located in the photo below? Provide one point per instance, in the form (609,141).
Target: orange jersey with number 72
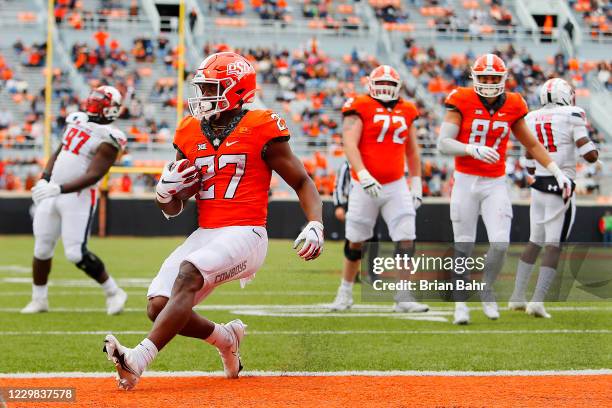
(384,134)
(484,127)
(235,177)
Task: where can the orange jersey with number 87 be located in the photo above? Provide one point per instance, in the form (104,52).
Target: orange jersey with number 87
(384,135)
(482,127)
(235,177)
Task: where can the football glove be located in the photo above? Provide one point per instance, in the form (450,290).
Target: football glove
(371,186)
(562,180)
(416,188)
(174,180)
(44,189)
(312,239)
(483,153)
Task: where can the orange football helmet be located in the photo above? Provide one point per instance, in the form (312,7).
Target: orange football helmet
(489,64)
(382,91)
(222,82)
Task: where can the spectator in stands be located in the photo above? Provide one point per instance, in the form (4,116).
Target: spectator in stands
(6,118)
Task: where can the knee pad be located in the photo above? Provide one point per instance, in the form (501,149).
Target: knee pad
(43,249)
(74,253)
(91,265)
(352,254)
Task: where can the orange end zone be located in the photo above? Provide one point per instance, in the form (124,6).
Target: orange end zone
(337,391)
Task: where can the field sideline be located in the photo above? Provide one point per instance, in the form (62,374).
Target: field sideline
(291,332)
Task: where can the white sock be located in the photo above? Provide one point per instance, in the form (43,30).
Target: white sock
(348,286)
(110,286)
(220,337)
(545,279)
(39,292)
(144,353)
(403,296)
(523,275)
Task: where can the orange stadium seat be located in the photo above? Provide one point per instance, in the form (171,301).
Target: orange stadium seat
(26,16)
(470,4)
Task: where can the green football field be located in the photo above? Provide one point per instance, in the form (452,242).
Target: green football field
(289,328)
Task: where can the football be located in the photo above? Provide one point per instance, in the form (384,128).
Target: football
(188,192)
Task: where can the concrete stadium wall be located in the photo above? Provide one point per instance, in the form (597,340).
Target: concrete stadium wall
(141,217)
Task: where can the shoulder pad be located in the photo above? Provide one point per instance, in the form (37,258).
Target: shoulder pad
(577,116)
(77,117)
(113,136)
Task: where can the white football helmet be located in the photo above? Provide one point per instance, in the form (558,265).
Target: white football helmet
(104,103)
(558,92)
(384,92)
(489,65)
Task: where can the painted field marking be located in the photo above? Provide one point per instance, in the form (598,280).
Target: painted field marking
(314,332)
(360,373)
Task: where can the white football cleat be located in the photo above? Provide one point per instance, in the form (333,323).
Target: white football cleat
(343,301)
(116,302)
(462,313)
(537,309)
(517,305)
(127,369)
(490,310)
(410,307)
(230,356)
(37,305)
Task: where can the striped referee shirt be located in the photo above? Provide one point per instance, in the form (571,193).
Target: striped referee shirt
(342,186)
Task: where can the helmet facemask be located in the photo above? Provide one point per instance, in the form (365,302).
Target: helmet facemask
(489,90)
(102,107)
(210,96)
(380,89)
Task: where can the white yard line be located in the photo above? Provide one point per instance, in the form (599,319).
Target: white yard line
(314,332)
(365,373)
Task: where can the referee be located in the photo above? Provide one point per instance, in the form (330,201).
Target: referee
(342,187)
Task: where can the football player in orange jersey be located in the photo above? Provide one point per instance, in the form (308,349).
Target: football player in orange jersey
(379,140)
(236,151)
(475,130)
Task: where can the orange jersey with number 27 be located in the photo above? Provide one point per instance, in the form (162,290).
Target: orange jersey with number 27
(235,177)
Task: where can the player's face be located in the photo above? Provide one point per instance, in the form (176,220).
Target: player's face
(209,89)
(386,83)
(490,79)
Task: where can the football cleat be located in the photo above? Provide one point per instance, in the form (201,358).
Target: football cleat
(462,313)
(36,306)
(517,305)
(410,307)
(490,310)
(537,309)
(230,356)
(343,301)
(116,302)
(128,371)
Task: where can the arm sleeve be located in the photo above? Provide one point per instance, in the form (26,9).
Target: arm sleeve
(447,142)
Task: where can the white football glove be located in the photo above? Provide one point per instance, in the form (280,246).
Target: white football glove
(416,188)
(371,186)
(172,180)
(483,153)
(312,239)
(44,189)
(562,180)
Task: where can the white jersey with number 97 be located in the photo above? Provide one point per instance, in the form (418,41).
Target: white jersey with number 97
(80,143)
(557,129)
